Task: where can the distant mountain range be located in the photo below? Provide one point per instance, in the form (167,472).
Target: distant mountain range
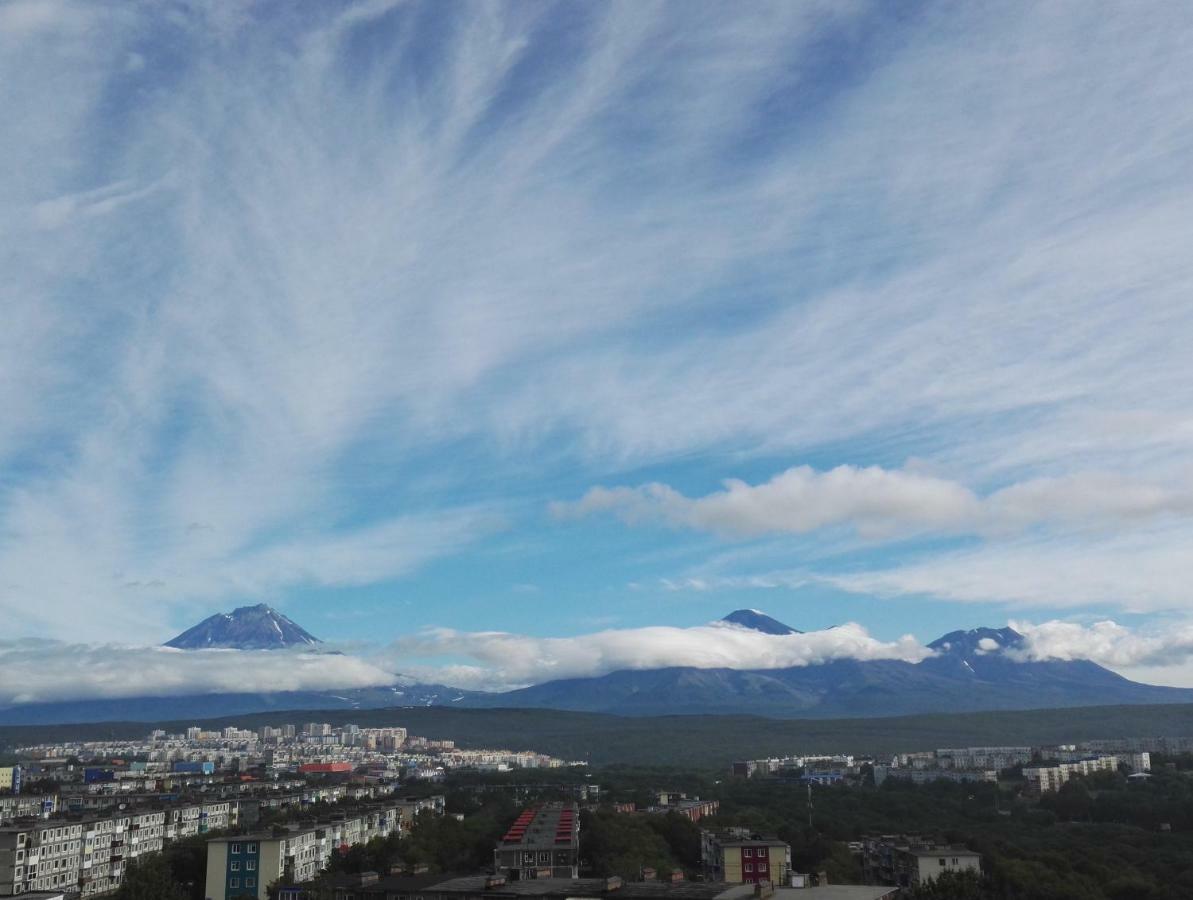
(970,671)
(259,627)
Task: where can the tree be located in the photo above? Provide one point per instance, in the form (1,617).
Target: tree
(966,885)
(150,878)
(1072,801)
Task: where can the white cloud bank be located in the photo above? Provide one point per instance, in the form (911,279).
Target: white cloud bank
(494,660)
(502,660)
(46,671)
(880,502)
(1107,643)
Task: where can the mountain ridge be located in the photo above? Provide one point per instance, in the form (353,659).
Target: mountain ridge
(977,670)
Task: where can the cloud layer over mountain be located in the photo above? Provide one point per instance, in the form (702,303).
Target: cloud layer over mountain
(514,660)
(45,671)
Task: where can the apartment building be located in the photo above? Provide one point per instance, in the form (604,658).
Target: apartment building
(42,856)
(245,865)
(738,856)
(983,757)
(543,842)
(217,815)
(10,779)
(183,821)
(909,860)
(81,854)
(27,806)
(926,776)
(1043,779)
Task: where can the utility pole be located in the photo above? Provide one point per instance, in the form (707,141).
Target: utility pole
(809,805)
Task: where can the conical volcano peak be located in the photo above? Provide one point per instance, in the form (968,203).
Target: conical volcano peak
(259,627)
(756,620)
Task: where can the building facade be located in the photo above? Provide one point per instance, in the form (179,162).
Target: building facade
(737,856)
(246,865)
(909,860)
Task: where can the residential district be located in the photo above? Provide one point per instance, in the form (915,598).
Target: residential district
(278,808)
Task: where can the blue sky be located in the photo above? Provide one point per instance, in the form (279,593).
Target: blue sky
(552,319)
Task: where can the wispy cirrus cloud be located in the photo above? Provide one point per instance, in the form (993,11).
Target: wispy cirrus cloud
(1142,570)
(313,268)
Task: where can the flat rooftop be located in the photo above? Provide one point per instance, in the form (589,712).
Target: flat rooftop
(548,827)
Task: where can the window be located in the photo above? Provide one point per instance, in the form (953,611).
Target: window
(235,866)
(750,867)
(235,848)
(250,882)
(954,860)
(748,851)
(942,862)
(233,883)
(250,865)
(250,848)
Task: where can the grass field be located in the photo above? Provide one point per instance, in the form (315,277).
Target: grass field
(695,741)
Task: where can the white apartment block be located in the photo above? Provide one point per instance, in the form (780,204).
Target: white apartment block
(23,806)
(89,855)
(1043,779)
(983,757)
(247,864)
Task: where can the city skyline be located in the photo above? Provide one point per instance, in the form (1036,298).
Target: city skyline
(454,332)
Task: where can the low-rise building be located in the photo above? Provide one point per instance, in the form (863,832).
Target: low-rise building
(692,808)
(738,856)
(543,842)
(911,860)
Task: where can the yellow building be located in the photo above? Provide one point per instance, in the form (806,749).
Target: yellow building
(738,857)
(10,778)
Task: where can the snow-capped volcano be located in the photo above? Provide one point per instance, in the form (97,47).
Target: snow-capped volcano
(259,627)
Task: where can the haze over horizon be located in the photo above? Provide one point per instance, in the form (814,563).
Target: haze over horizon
(460,333)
